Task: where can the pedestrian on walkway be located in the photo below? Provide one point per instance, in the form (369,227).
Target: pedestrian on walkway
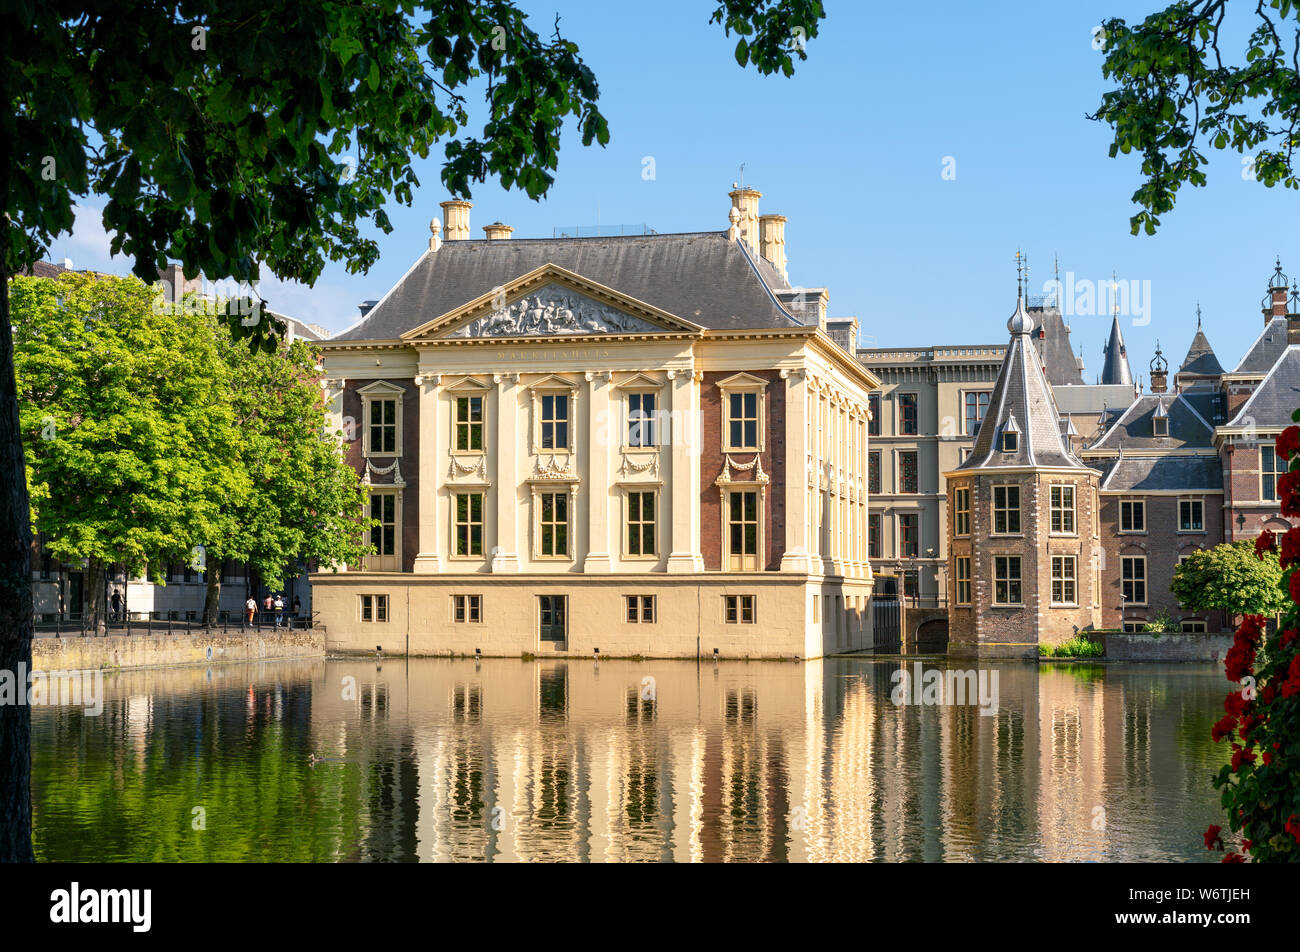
(116,602)
(279,611)
(250,609)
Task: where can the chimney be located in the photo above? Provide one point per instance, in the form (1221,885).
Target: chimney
(1158,381)
(1293,318)
(1274,302)
(497,231)
(745,201)
(177,284)
(455,213)
(771,239)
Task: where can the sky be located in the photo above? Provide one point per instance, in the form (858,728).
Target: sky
(913,153)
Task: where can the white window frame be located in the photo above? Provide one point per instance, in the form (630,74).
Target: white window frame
(455,524)
(1072,580)
(468,388)
(1018,509)
(1196,501)
(959,511)
(1276,473)
(1135,581)
(378,392)
(960,579)
(965,420)
(378,562)
(760,490)
(626,523)
(1142,504)
(554,386)
(737,384)
(570,497)
(1019,580)
(1071,509)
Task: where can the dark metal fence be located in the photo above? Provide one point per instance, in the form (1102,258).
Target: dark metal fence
(77,624)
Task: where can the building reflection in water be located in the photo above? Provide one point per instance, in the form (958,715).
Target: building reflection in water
(495,760)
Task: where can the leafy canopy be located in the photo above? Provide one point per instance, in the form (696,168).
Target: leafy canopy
(1175,95)
(1229,577)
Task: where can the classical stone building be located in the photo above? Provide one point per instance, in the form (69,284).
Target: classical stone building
(1022,519)
(638,445)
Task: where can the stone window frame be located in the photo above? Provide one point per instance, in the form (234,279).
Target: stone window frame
(742,383)
(553,385)
(1132,502)
(466,609)
(965,420)
(899,552)
(958,510)
(875,401)
(374,604)
(467,387)
(1019,510)
(1072,579)
(916,406)
(898,461)
(1073,509)
(396,557)
(1019,579)
(634,609)
(876,550)
(960,579)
(1144,581)
(567,490)
(1275,475)
(625,523)
(739,614)
(744,487)
(642,385)
(381,391)
(875,471)
(455,524)
(1197,500)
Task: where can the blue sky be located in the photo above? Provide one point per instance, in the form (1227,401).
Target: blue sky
(852,151)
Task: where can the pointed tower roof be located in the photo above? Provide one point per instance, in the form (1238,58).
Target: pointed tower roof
(1021,403)
(1200,357)
(1115,369)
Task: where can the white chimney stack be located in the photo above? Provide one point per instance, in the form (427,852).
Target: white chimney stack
(771,230)
(745,201)
(455,213)
(497,231)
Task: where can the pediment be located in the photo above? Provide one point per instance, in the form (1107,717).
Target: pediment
(551,302)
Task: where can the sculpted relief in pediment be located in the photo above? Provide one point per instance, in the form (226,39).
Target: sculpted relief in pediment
(554,310)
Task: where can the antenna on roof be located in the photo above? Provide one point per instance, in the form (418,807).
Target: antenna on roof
(741,183)
(1198,315)
(1019,277)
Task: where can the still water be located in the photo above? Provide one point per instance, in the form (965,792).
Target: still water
(432,759)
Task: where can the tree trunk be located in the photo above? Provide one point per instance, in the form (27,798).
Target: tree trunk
(213,599)
(94,596)
(15,606)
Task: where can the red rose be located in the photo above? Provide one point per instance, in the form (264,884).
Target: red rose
(1288,441)
(1233,858)
(1239,662)
(1212,837)
(1235,704)
(1240,757)
(1293,826)
(1290,548)
(1223,728)
(1268,758)
(1265,542)
(1287,637)
(1293,585)
(1288,492)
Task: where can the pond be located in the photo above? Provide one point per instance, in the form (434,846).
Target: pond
(363,760)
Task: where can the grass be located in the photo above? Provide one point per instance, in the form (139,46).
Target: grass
(1076,647)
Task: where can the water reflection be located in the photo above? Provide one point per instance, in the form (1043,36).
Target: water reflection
(497,760)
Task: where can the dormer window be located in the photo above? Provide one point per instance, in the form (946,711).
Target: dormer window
(1010,441)
(1160,426)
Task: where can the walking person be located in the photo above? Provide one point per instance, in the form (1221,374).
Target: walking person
(297,608)
(116,602)
(250,609)
(279,611)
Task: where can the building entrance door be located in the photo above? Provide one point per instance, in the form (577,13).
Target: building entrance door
(554,618)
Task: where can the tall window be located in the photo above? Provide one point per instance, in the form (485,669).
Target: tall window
(555,421)
(742,529)
(962,577)
(961,512)
(554,525)
(742,421)
(1006,580)
(469,423)
(641,420)
(908,478)
(1271,469)
(873,536)
(977,404)
(641,523)
(1063,509)
(383,535)
(383,426)
(1132,515)
(1006,509)
(873,404)
(873,472)
(1191,515)
(1063,580)
(907,419)
(469,523)
(909,536)
(1133,572)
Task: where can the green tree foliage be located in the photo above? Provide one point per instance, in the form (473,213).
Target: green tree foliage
(1175,95)
(130,437)
(216,131)
(1230,578)
(304,500)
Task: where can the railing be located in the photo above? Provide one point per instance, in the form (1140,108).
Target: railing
(76,624)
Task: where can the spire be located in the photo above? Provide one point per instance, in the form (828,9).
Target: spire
(1115,368)
(1200,358)
(1022,427)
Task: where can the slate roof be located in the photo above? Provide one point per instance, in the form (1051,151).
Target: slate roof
(1021,399)
(1052,340)
(1277,395)
(1268,347)
(1092,397)
(1115,369)
(702,277)
(1189,427)
(1162,473)
(1200,357)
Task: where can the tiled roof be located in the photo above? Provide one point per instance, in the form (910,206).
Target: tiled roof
(1200,357)
(1052,340)
(1267,348)
(1115,369)
(1162,474)
(1277,395)
(1021,400)
(703,277)
(1188,425)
